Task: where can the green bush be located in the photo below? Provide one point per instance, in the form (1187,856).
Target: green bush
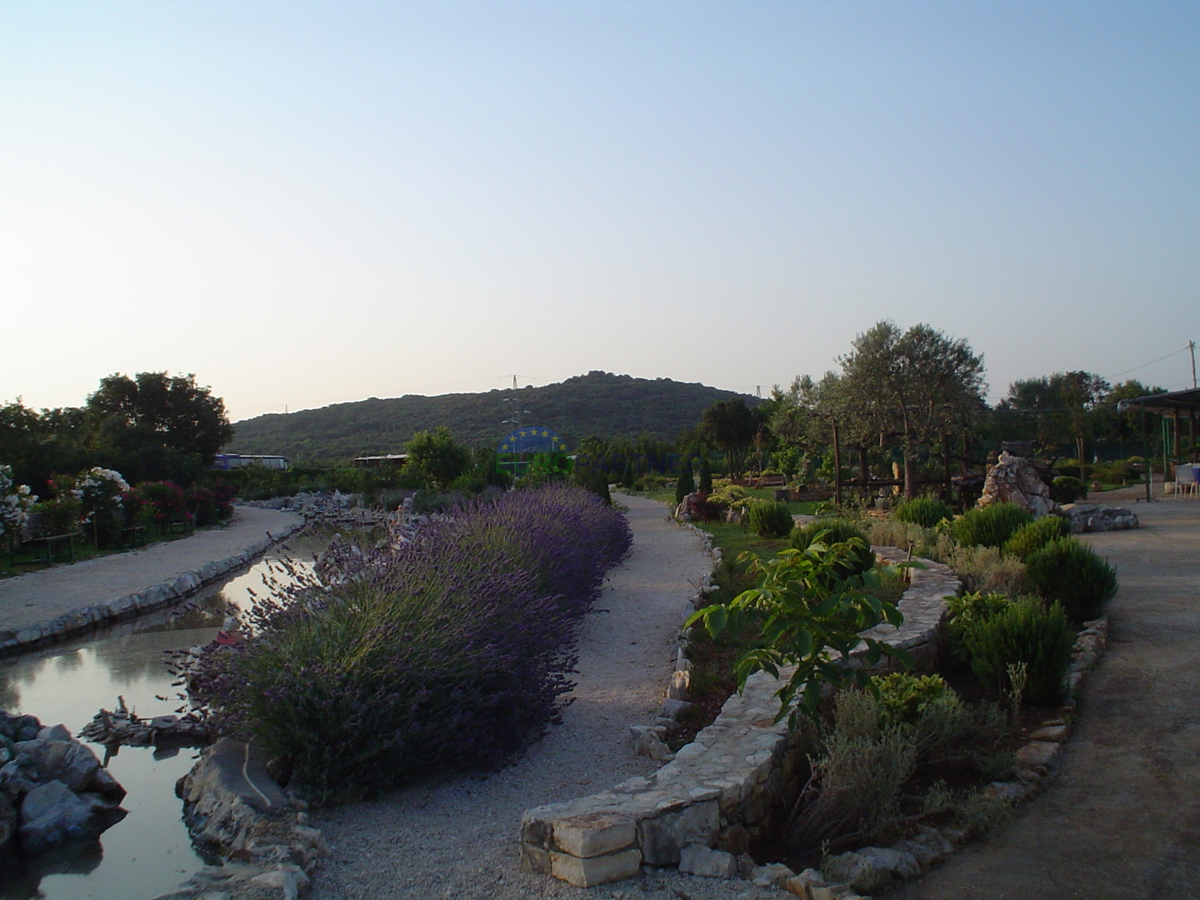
(989,526)
(685,485)
(1067,489)
(1073,574)
(904,696)
(1026,632)
(923,511)
(837,531)
(969,610)
(1033,537)
(772,520)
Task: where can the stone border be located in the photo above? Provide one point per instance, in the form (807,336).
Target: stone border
(89,618)
(720,790)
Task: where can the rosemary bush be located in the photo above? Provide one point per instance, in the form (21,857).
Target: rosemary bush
(923,511)
(1028,539)
(990,525)
(1074,574)
(1025,632)
(771,519)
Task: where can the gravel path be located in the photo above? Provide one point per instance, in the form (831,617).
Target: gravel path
(38,597)
(459,838)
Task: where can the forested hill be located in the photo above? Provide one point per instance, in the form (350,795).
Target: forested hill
(599,403)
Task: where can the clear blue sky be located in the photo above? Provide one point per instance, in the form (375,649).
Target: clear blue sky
(310,203)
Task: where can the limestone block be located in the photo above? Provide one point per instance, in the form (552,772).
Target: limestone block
(697,859)
(802,885)
(663,838)
(902,865)
(860,872)
(1039,754)
(679,687)
(1057,734)
(832,892)
(594,834)
(596,869)
(772,875)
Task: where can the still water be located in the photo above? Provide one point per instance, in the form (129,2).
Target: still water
(147,853)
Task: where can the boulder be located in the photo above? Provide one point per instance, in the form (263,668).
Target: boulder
(53,814)
(68,761)
(1013,480)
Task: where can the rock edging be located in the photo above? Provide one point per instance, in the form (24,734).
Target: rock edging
(718,791)
(234,809)
(89,618)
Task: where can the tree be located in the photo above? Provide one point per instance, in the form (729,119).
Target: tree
(731,427)
(156,409)
(918,385)
(435,457)
(1061,406)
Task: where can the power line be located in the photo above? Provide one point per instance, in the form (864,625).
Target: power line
(1152,362)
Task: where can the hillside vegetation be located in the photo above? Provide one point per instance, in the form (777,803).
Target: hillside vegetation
(599,403)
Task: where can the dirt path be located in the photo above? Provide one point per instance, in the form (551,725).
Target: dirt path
(1122,820)
(459,839)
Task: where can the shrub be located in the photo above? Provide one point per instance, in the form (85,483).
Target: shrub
(903,696)
(969,610)
(685,485)
(1037,534)
(989,526)
(163,500)
(730,496)
(450,650)
(1067,489)
(772,520)
(856,782)
(860,557)
(983,568)
(1028,633)
(807,606)
(923,511)
(1073,574)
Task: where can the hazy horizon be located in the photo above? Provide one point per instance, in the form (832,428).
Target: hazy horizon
(312,203)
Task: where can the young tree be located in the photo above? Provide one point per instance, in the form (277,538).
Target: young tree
(918,384)
(730,426)
(435,456)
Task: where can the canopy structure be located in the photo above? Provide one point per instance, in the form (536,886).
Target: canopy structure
(1172,406)
(1174,402)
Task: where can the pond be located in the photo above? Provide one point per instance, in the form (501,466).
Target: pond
(149,852)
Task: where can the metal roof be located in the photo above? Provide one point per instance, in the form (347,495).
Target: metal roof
(1174,401)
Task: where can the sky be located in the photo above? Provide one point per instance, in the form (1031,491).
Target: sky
(308,203)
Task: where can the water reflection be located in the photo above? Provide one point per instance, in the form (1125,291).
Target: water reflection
(149,852)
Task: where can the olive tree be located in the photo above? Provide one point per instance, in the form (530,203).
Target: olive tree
(918,385)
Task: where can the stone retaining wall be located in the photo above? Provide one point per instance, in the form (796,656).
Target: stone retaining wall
(720,790)
(89,618)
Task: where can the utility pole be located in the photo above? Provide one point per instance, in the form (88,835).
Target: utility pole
(1192,347)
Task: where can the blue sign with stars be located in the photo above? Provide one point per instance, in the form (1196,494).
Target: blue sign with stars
(532,439)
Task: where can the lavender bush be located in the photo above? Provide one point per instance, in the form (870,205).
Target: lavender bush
(451,649)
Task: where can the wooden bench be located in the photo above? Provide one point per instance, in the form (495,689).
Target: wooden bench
(133,536)
(37,533)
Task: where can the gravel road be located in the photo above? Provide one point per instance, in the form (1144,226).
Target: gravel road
(458,838)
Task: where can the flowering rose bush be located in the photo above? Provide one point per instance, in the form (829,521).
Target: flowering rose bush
(15,503)
(100,493)
(450,650)
(156,503)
